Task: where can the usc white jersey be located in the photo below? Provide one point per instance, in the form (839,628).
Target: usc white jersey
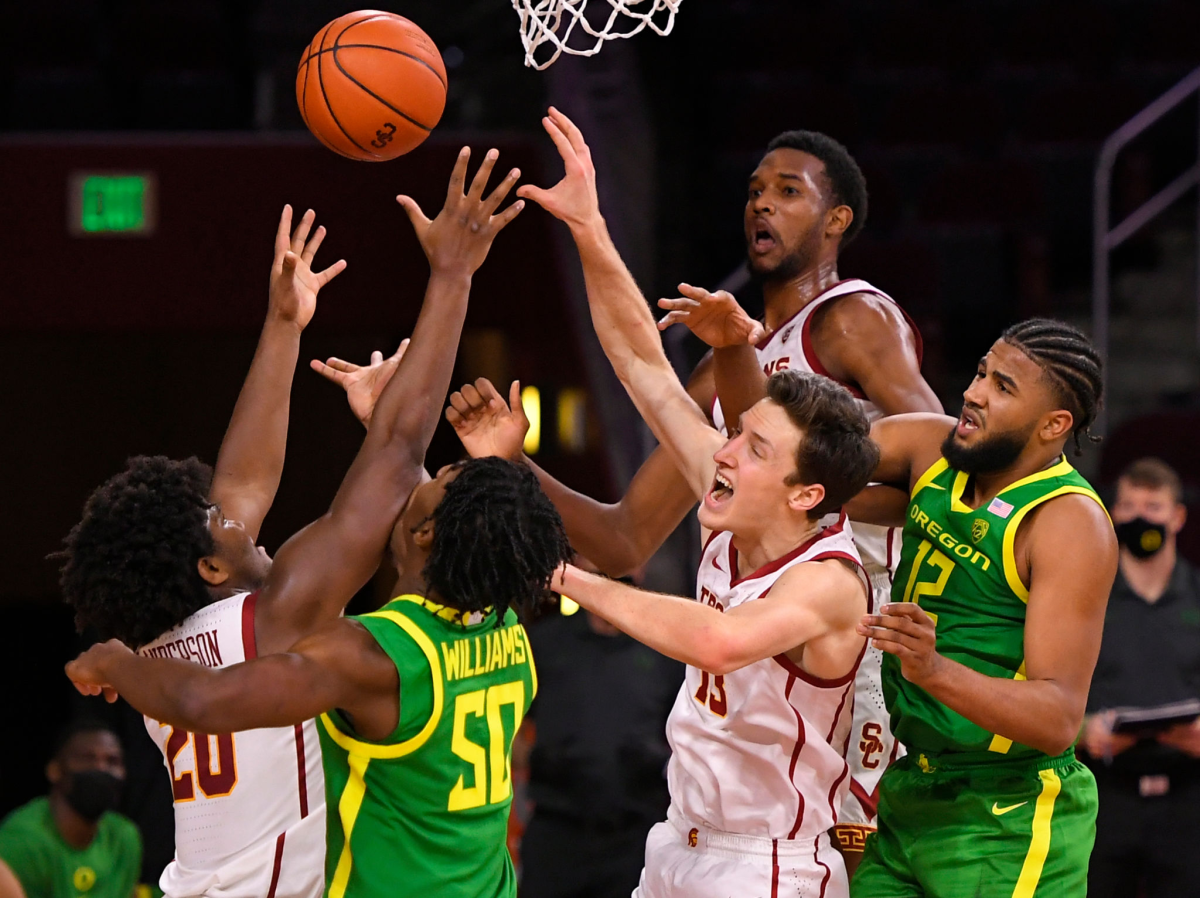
(249,806)
(872,746)
(760,752)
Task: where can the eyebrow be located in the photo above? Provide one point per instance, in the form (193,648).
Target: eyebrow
(789,176)
(1005,379)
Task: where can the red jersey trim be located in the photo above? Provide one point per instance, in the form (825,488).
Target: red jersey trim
(772,566)
(870,803)
(766,341)
(800,740)
(249,645)
(774,868)
(817,859)
(301,771)
(278,865)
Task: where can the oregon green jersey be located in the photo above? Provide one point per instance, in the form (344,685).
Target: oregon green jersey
(958,563)
(425,812)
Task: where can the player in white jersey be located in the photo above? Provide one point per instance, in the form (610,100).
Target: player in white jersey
(718,318)
(760,724)
(160,562)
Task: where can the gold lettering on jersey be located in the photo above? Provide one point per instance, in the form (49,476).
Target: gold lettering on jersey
(938,534)
(474,655)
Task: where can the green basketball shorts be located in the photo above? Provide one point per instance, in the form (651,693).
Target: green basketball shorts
(981,830)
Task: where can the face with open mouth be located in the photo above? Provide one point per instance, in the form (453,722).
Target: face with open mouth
(785,213)
(749,489)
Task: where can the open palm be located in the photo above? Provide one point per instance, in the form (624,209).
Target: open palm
(363,383)
(294,285)
(716,318)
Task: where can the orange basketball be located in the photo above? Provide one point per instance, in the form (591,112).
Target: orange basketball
(371,85)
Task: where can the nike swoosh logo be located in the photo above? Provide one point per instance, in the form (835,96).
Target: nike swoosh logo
(717,566)
(999,811)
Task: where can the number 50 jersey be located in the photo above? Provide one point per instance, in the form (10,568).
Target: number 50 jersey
(425,811)
(250,806)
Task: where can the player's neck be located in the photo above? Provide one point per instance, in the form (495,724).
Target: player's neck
(772,543)
(76,831)
(1149,577)
(783,299)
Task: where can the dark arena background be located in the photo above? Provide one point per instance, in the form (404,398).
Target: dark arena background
(979,127)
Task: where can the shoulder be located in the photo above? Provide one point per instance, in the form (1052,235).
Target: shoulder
(121,830)
(27,829)
(831,586)
(862,315)
(1076,516)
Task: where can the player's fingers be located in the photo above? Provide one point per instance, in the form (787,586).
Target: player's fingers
(500,222)
(300,235)
(487,390)
(314,244)
(376,357)
(697,293)
(496,197)
(283,239)
(327,372)
(681,303)
(515,403)
(453,417)
(341,365)
(673,318)
(561,141)
(458,176)
(415,215)
(473,396)
(570,129)
(483,173)
(110,694)
(399,353)
(331,272)
(460,405)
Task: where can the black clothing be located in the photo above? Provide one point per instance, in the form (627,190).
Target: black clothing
(597,770)
(1149,818)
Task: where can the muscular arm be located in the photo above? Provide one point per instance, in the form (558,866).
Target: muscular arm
(808,602)
(250,461)
(1069,554)
(340,666)
(865,340)
(320,568)
(621,317)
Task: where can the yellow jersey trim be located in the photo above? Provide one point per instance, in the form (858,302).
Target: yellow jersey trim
(445,612)
(407,747)
(930,473)
(956,491)
(1039,842)
(1059,469)
(1010,532)
(1001,744)
(348,807)
(529,659)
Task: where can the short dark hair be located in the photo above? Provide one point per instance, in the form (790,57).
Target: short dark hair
(846,181)
(75,727)
(836,449)
(1070,362)
(1153,474)
(497,540)
(130,564)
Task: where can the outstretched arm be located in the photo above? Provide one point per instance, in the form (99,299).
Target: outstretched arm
(808,602)
(250,461)
(622,319)
(340,666)
(320,568)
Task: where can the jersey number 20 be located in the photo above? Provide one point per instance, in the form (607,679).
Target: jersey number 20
(477,704)
(214,781)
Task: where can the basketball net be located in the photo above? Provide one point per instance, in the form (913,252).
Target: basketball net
(552,22)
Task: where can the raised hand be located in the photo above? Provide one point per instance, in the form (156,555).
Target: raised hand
(458,240)
(573,199)
(362,383)
(294,285)
(484,423)
(87,671)
(716,318)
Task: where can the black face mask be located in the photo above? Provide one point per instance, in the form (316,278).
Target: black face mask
(1141,537)
(92,792)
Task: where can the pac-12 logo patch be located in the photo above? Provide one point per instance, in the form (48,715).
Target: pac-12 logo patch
(979,529)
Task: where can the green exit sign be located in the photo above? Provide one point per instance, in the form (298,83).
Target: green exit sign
(112,204)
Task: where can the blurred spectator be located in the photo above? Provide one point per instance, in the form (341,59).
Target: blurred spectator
(1149,780)
(71,842)
(597,769)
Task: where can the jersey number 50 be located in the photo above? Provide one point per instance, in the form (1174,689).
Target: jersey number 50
(476,704)
(213,782)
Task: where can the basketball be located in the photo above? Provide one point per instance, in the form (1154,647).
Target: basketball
(371,85)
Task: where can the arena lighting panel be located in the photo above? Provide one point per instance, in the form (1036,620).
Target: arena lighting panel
(112,204)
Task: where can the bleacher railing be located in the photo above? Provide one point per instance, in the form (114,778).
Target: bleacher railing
(1106,238)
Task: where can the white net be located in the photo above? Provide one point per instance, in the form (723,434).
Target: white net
(550,25)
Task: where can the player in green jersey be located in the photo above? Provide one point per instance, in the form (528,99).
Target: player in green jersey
(993,633)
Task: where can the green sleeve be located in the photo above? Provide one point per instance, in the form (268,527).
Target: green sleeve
(25,850)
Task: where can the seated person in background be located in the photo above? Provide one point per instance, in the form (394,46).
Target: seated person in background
(597,769)
(71,842)
(1149,783)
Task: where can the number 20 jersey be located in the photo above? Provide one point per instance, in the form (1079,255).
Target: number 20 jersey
(249,806)
(761,751)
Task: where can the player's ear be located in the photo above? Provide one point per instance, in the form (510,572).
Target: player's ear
(212,571)
(838,220)
(1057,425)
(423,535)
(804,497)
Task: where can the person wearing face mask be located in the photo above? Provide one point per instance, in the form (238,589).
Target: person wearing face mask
(71,842)
(1149,778)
